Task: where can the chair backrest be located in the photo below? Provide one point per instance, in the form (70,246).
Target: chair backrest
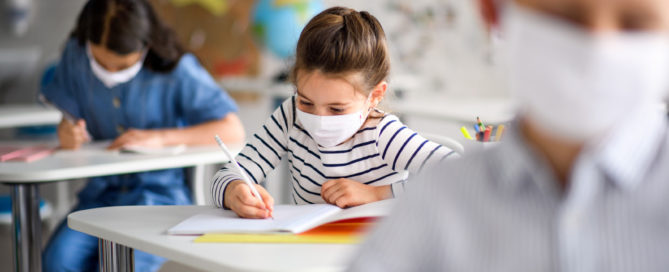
(196,178)
(445,141)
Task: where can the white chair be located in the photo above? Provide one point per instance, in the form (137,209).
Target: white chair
(199,184)
(445,141)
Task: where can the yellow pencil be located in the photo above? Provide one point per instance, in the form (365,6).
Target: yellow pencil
(500,130)
(466,133)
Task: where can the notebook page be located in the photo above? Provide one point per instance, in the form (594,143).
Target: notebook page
(287,218)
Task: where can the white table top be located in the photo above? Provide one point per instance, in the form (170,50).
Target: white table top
(27,115)
(491,110)
(144,228)
(93,160)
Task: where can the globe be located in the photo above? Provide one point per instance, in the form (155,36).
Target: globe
(277,23)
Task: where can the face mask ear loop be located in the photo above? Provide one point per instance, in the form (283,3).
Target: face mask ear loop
(369,100)
(369,109)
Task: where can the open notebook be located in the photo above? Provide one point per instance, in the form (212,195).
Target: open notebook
(287,219)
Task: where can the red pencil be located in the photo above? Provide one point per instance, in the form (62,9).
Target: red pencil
(486,135)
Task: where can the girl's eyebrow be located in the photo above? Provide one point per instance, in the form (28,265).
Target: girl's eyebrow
(302,95)
(331,104)
(338,104)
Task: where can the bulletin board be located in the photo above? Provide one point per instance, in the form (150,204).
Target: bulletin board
(218,32)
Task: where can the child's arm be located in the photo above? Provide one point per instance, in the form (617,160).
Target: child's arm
(230,128)
(261,155)
(403,149)
(345,192)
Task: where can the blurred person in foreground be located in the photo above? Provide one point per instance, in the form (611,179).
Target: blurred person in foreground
(580,183)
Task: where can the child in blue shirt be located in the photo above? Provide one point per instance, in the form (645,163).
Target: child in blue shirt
(126,78)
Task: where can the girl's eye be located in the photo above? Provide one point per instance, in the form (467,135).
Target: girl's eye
(336,110)
(305,103)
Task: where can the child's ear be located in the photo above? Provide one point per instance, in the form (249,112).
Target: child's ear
(378,93)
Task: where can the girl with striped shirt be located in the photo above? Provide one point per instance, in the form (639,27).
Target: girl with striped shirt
(340,148)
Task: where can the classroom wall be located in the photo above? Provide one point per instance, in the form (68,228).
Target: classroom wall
(23,58)
(438,48)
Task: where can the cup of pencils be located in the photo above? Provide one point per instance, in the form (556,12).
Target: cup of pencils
(484,134)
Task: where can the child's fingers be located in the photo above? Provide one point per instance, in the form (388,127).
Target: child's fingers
(82,129)
(337,196)
(78,138)
(65,124)
(326,191)
(121,141)
(81,123)
(341,199)
(269,200)
(81,135)
(328,184)
(117,143)
(343,202)
(247,198)
(251,212)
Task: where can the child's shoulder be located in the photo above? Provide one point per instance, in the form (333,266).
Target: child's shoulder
(379,119)
(285,113)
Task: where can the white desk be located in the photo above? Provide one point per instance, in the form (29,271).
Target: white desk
(463,110)
(90,161)
(122,229)
(27,115)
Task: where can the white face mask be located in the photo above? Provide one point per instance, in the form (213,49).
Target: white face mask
(329,131)
(111,79)
(576,85)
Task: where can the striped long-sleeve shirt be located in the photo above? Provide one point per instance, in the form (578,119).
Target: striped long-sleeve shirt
(380,153)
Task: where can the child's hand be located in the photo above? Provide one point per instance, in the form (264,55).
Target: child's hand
(238,198)
(136,137)
(348,193)
(72,136)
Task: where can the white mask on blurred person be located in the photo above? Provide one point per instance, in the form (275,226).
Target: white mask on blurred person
(577,85)
(111,79)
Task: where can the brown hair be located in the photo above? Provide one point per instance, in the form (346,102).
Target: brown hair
(341,41)
(126,26)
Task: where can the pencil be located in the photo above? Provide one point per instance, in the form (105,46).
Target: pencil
(486,135)
(239,169)
(500,130)
(465,132)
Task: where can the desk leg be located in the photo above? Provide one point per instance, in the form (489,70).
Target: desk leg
(197,184)
(27,232)
(115,257)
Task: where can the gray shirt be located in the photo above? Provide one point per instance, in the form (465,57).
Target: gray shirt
(502,210)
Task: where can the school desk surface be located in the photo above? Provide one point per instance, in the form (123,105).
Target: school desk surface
(27,115)
(90,161)
(144,228)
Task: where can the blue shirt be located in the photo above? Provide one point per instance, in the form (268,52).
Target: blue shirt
(503,210)
(185,96)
